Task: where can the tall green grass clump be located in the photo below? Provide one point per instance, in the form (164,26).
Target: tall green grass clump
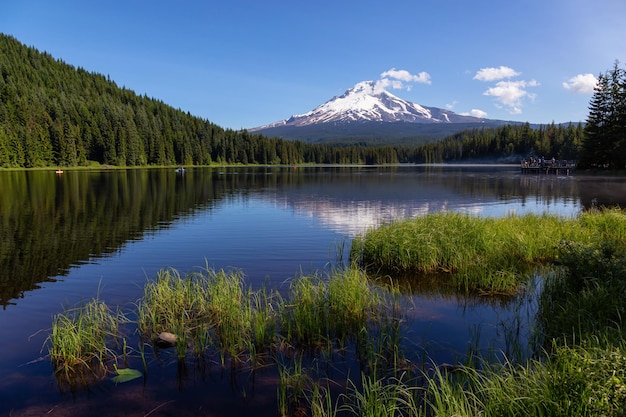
(579,337)
(582,380)
(212,308)
(378,397)
(479,254)
(231,312)
(587,296)
(79,337)
(319,310)
(173,304)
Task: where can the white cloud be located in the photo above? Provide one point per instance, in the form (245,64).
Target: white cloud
(452,105)
(404,75)
(492,74)
(401,79)
(581,83)
(477,113)
(507,92)
(512,93)
(393,84)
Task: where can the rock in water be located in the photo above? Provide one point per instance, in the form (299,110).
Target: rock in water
(166,339)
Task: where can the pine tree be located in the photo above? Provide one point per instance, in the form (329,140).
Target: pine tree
(604,142)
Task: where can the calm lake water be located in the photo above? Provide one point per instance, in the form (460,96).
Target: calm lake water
(67,238)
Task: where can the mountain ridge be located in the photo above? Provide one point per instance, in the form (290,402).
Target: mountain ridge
(369,102)
(369,113)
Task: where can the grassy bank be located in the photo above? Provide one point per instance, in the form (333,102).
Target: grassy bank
(492,255)
(580,340)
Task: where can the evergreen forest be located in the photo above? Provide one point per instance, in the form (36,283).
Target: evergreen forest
(55,114)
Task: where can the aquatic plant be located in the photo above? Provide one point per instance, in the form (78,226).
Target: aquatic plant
(586,297)
(172,304)
(293,384)
(205,309)
(79,337)
(378,397)
(319,310)
(489,255)
(320,402)
(582,380)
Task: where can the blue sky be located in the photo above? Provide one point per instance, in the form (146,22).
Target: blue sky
(245,63)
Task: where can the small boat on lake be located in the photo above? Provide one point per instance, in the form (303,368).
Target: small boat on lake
(180,170)
(59,171)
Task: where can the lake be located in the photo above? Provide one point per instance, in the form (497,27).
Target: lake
(70,237)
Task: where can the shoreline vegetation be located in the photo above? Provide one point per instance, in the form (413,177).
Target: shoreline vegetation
(107,167)
(358,313)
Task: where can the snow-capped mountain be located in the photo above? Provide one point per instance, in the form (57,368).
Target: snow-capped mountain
(368,102)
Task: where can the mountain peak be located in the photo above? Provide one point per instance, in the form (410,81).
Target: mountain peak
(368,101)
(366,87)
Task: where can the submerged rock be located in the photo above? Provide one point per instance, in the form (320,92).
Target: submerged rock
(166,339)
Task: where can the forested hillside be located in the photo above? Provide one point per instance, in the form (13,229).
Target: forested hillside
(506,143)
(54,114)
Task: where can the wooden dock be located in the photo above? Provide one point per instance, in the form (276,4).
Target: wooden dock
(549,167)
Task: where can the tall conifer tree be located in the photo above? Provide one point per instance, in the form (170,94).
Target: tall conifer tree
(604,142)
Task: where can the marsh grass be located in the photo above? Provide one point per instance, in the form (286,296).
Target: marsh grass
(203,310)
(585,296)
(488,255)
(582,380)
(263,304)
(319,311)
(230,311)
(321,402)
(378,397)
(80,340)
(215,310)
(173,304)
(294,383)
(579,343)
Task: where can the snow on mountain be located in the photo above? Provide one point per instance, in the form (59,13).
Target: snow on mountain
(368,102)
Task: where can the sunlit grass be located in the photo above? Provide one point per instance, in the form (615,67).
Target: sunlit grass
(319,310)
(380,398)
(80,335)
(582,380)
(492,255)
(206,309)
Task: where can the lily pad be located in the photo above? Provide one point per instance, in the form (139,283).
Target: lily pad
(125,375)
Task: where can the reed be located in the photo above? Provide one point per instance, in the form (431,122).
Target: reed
(294,382)
(582,380)
(206,309)
(319,310)
(263,318)
(321,402)
(79,337)
(175,305)
(378,397)
(586,296)
(579,341)
(230,311)
(491,255)
(581,370)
